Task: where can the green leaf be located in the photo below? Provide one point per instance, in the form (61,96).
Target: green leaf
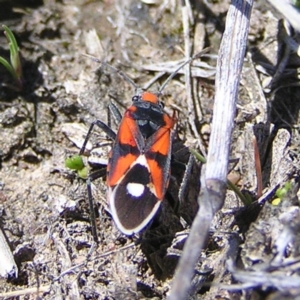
(281,192)
(83,173)
(14,53)
(198,156)
(6,64)
(74,162)
(276,201)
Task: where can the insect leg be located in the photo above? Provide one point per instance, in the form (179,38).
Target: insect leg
(95,175)
(186,175)
(112,135)
(115,112)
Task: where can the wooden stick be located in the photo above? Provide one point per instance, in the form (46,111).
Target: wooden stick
(211,198)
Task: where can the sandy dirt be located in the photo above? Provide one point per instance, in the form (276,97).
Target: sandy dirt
(44,209)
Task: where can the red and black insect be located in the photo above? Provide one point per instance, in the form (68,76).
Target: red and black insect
(138,170)
(139,165)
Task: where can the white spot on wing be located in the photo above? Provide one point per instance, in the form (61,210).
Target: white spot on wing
(135,189)
(141,160)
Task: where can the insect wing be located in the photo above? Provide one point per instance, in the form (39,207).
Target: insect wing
(124,152)
(138,175)
(133,202)
(158,159)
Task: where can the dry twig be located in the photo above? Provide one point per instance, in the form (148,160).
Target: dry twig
(230,62)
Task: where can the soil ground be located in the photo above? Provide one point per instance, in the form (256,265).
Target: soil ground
(44,206)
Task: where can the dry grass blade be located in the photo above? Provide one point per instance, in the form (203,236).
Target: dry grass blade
(253,279)
(230,62)
(198,69)
(8,267)
(289,11)
(66,264)
(187,75)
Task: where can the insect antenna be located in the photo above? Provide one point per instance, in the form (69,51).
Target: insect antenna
(199,54)
(119,72)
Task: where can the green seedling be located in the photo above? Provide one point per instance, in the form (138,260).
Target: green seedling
(14,67)
(281,192)
(75,162)
(246,200)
